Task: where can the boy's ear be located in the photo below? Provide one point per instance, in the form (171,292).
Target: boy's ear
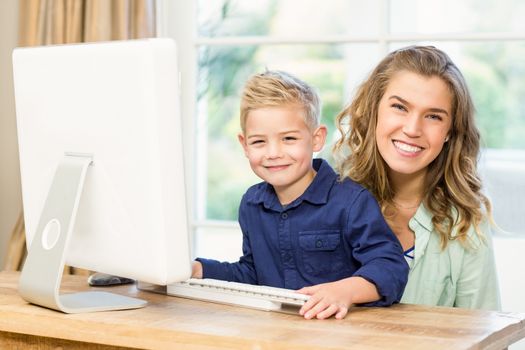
(242,141)
(319,138)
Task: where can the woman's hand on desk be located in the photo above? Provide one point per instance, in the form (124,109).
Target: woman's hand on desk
(335,298)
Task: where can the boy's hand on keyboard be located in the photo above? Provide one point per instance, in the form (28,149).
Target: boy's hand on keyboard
(196,269)
(326,300)
(335,298)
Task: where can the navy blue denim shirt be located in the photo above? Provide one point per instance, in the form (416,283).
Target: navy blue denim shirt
(334,230)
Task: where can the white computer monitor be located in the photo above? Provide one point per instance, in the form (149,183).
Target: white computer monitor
(101,164)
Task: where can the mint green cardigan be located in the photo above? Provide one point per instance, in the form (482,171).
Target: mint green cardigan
(456,276)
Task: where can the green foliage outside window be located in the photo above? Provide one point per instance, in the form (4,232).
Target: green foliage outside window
(494,71)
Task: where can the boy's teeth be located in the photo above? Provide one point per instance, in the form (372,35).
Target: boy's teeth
(407,148)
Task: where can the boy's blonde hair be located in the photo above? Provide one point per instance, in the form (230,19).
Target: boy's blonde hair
(275,89)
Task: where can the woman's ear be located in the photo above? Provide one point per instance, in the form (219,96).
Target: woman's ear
(319,138)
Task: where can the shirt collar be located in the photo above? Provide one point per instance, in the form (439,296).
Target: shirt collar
(316,193)
(421,225)
(424,218)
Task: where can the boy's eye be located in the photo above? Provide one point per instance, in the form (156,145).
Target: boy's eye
(256,142)
(399,107)
(290,138)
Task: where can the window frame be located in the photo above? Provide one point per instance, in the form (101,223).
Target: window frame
(178,19)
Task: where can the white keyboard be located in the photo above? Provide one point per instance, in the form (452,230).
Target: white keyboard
(239,294)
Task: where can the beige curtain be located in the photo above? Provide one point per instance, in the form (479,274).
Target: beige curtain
(45,22)
(17,247)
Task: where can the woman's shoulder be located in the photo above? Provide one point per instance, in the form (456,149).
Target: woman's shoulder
(480,237)
(476,236)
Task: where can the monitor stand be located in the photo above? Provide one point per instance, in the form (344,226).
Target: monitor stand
(42,272)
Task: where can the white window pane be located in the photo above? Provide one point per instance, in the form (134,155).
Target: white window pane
(451,16)
(288,17)
(223,244)
(494,71)
(503,172)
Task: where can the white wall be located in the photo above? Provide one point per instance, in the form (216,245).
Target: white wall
(503,172)
(10,198)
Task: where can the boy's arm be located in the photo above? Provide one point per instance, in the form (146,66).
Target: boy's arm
(196,269)
(242,271)
(383,274)
(377,249)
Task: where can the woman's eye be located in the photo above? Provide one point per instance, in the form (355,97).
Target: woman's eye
(435,117)
(399,106)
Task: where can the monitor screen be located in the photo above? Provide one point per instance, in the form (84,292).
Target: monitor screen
(101,159)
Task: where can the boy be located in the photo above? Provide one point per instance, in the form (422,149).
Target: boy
(302,226)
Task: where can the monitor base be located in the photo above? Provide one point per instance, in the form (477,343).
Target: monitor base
(42,272)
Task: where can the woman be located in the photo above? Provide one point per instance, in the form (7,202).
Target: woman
(412,141)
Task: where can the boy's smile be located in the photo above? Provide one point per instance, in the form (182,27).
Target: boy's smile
(277,167)
(279,146)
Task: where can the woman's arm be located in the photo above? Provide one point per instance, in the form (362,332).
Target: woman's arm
(477,285)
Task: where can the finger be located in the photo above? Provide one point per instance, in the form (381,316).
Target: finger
(329,311)
(343,311)
(309,304)
(319,307)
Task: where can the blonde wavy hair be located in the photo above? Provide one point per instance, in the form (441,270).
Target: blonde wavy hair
(276,89)
(454,188)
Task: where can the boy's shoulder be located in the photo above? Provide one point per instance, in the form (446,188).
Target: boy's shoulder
(347,191)
(346,184)
(256,192)
(330,176)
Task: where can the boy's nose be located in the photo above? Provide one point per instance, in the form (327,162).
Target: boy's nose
(273,151)
(412,126)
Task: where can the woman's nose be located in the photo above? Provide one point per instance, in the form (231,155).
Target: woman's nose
(412,126)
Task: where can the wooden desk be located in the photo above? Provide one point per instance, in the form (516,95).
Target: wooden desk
(169,323)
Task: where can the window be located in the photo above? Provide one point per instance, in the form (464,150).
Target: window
(332,46)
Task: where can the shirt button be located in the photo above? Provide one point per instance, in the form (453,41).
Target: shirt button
(318,243)
(284,216)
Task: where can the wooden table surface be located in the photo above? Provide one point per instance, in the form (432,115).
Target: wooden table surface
(169,322)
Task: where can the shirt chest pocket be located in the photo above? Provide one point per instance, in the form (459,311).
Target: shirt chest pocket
(321,251)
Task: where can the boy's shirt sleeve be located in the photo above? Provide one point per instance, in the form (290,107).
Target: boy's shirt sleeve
(378,250)
(242,271)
